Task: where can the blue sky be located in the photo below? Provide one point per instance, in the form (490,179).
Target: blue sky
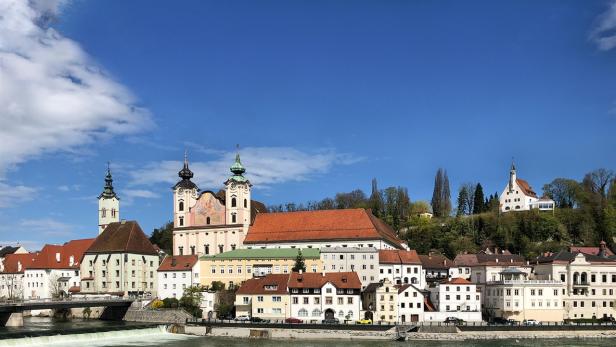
(321,96)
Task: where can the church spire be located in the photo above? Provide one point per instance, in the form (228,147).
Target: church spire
(185,174)
(108,191)
(237,168)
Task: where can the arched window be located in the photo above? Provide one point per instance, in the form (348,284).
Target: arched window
(207,220)
(350,314)
(245,203)
(233,202)
(302,313)
(181,221)
(316,312)
(340,313)
(181,206)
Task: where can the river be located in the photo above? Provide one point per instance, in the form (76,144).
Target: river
(156,336)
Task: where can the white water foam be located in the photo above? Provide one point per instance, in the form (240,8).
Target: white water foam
(135,337)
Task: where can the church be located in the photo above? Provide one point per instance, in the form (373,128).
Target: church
(518,195)
(208,223)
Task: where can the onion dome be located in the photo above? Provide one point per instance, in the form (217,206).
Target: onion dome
(185,174)
(108,191)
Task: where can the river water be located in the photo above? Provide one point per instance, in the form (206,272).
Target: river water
(157,336)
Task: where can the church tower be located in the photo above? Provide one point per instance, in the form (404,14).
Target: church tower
(108,204)
(184,196)
(512,176)
(237,195)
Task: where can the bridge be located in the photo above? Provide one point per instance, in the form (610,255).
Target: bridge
(11,312)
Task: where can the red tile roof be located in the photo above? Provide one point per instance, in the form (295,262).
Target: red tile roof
(59,256)
(323,225)
(74,289)
(458,280)
(178,263)
(122,237)
(435,261)
(341,280)
(257,285)
(526,188)
(387,256)
(589,250)
(465,260)
(12,261)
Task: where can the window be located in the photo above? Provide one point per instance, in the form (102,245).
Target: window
(207,220)
(316,312)
(340,301)
(181,221)
(305,301)
(245,203)
(181,206)
(233,218)
(246,300)
(295,300)
(233,202)
(328,300)
(302,313)
(206,249)
(259,298)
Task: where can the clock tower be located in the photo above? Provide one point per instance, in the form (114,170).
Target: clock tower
(108,204)
(237,195)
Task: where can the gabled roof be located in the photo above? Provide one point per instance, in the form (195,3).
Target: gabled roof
(122,237)
(466,260)
(564,257)
(59,256)
(435,261)
(12,261)
(265,253)
(178,263)
(589,250)
(458,280)
(341,280)
(500,259)
(526,188)
(6,250)
(387,256)
(322,225)
(402,287)
(257,285)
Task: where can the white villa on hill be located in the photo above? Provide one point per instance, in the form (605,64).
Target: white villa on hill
(518,195)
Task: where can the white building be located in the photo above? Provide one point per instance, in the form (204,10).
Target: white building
(120,261)
(514,296)
(401,267)
(175,274)
(12,274)
(518,195)
(315,296)
(589,281)
(55,270)
(363,260)
(455,298)
(410,304)
(108,204)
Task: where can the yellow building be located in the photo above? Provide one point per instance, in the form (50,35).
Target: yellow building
(235,267)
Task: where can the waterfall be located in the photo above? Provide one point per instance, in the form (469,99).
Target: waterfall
(147,336)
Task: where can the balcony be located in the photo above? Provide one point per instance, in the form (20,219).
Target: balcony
(581,284)
(526,282)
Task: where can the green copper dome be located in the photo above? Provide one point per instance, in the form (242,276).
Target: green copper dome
(238,170)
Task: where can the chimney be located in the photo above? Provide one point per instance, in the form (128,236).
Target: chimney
(301,271)
(173,262)
(58,257)
(511,260)
(496,260)
(323,274)
(18,266)
(603,249)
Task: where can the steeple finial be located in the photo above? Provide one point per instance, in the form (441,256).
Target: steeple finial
(185,173)
(108,191)
(512,164)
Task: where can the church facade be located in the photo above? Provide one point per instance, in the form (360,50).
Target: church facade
(518,195)
(209,223)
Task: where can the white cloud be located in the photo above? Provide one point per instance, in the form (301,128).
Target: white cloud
(12,195)
(264,166)
(604,32)
(53,97)
(128,196)
(46,227)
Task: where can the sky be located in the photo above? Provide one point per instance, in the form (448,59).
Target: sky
(321,96)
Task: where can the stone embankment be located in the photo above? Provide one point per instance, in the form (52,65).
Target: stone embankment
(168,316)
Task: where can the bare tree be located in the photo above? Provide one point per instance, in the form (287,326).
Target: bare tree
(55,286)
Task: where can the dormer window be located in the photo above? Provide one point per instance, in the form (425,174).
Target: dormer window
(271,287)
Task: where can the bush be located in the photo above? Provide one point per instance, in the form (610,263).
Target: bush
(170,303)
(157,304)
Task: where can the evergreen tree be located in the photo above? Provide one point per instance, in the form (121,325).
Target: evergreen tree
(376,200)
(462,196)
(437,193)
(446,196)
(478,204)
(299,262)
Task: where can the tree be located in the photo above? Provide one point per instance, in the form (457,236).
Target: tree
(300,264)
(478,204)
(563,191)
(441,196)
(462,201)
(55,286)
(191,300)
(376,200)
(163,237)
